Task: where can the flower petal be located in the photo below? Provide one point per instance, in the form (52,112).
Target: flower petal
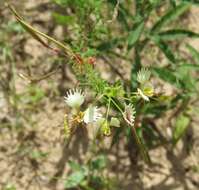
(74,98)
(143,95)
(91,114)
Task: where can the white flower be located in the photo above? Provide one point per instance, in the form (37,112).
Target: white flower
(91,114)
(143,75)
(140,93)
(129,114)
(74,98)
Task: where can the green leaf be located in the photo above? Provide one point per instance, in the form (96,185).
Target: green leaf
(138,4)
(181,79)
(77,177)
(176,34)
(186,78)
(9,187)
(14,26)
(63,19)
(107,45)
(115,122)
(182,122)
(35,94)
(193,52)
(165,48)
(190,66)
(194,2)
(165,75)
(170,16)
(135,34)
(99,163)
(74,179)
(123,13)
(75,166)
(173,3)
(136,66)
(61,2)
(39,154)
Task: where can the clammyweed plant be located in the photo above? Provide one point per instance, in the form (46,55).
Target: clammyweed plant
(143,25)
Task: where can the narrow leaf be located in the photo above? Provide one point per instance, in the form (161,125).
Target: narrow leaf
(173,3)
(19,19)
(135,34)
(182,122)
(176,34)
(194,2)
(36,34)
(138,4)
(170,16)
(165,75)
(190,66)
(194,52)
(141,145)
(165,48)
(32,33)
(136,66)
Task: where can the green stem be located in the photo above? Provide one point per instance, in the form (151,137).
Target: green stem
(116,106)
(108,109)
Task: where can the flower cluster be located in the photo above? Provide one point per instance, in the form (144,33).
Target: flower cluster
(75,98)
(92,115)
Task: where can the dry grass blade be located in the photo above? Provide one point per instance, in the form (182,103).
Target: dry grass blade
(37,35)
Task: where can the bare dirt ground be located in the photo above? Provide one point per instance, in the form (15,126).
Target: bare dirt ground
(171,169)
